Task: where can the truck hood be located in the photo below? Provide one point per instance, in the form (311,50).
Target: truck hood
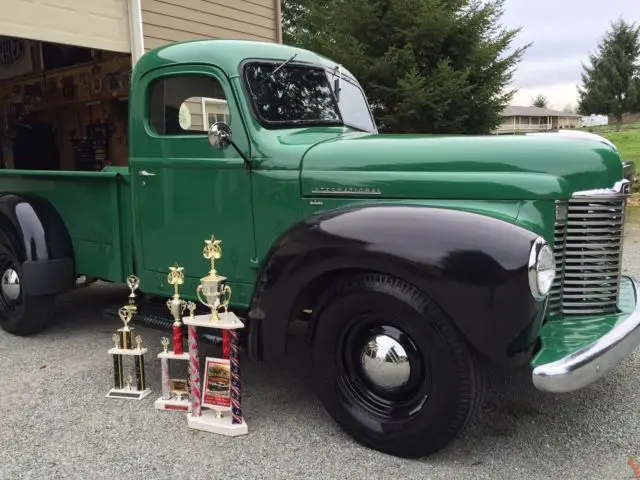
(457,167)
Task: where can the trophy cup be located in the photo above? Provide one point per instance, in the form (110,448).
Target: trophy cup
(123,346)
(176,306)
(216,293)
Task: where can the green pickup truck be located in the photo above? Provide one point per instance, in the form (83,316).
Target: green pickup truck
(417,260)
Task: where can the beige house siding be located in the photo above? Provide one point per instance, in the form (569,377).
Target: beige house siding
(179,20)
(171,21)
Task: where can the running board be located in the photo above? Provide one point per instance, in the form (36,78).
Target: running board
(152,315)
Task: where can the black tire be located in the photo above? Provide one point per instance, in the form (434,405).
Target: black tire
(20,314)
(445,385)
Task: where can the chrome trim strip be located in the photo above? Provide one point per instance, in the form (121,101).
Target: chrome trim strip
(346,191)
(594,361)
(621,187)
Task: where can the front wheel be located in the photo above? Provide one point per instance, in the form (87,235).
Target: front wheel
(392,369)
(20,314)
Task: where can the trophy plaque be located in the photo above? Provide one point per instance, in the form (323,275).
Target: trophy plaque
(123,347)
(175,393)
(221,393)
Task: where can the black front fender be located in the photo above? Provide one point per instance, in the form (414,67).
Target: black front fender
(42,242)
(473,266)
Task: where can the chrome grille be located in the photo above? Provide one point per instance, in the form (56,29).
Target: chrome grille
(588,253)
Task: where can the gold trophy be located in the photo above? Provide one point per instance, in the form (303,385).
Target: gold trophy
(165,344)
(216,294)
(123,346)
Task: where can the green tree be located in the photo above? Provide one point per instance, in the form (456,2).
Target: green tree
(540,101)
(437,66)
(611,83)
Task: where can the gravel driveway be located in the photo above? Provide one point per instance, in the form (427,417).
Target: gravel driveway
(56,422)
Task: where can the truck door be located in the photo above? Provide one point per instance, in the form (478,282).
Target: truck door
(183,190)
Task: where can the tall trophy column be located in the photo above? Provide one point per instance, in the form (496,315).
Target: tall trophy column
(216,408)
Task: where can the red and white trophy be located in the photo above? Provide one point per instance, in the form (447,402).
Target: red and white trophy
(175,392)
(221,390)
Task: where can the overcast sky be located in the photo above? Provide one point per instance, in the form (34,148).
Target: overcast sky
(563,33)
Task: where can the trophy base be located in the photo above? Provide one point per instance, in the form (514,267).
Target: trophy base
(128,394)
(226,321)
(209,423)
(172,404)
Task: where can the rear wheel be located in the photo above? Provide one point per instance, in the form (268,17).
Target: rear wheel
(393,371)
(20,314)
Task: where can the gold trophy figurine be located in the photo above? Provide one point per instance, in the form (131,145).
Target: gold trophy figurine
(139,342)
(116,340)
(192,308)
(212,286)
(133,283)
(125,313)
(165,344)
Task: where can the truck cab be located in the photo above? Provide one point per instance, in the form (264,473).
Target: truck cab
(418,260)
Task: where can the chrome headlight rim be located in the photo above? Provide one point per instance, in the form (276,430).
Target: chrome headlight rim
(539,248)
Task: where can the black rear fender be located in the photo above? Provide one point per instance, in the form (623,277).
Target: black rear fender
(42,242)
(473,266)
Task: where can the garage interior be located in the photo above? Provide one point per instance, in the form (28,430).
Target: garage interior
(62,107)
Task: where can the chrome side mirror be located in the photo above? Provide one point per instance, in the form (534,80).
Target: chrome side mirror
(220,135)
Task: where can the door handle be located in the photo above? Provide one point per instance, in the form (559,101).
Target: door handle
(144,173)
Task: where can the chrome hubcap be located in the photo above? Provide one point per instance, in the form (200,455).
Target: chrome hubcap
(10,284)
(385,362)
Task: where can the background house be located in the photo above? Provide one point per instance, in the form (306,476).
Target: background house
(535,119)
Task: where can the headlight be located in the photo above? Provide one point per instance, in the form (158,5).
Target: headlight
(542,269)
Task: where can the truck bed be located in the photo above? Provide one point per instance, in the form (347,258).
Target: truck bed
(95,206)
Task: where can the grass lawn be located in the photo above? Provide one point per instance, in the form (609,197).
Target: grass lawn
(627,139)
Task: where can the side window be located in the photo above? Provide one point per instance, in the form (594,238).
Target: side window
(186,104)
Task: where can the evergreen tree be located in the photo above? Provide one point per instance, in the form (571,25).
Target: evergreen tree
(611,83)
(433,66)
(540,101)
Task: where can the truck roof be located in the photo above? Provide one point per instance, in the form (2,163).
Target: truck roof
(226,54)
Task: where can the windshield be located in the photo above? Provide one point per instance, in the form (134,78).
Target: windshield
(295,94)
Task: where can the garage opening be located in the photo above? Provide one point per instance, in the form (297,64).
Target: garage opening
(62,107)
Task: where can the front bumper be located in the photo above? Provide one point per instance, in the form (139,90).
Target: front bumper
(602,342)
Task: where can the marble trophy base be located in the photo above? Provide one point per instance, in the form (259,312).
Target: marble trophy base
(183,405)
(227,321)
(208,422)
(131,394)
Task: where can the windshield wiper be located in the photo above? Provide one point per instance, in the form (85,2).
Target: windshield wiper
(282,65)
